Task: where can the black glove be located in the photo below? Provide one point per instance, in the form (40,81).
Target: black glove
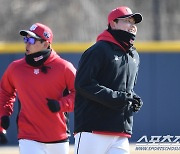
(53,105)
(5,122)
(3,138)
(137,104)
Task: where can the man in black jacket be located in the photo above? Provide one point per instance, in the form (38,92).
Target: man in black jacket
(105,100)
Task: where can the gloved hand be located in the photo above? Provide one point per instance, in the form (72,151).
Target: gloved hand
(137,106)
(5,122)
(53,105)
(136,103)
(3,138)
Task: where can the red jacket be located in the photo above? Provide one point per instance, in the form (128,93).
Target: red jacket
(35,120)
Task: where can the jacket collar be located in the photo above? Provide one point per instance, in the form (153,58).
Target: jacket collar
(106,36)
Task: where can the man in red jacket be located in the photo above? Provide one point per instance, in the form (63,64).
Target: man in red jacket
(39,79)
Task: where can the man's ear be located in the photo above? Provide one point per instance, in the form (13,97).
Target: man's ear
(112,24)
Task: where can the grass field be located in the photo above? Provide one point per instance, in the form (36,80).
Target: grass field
(15,150)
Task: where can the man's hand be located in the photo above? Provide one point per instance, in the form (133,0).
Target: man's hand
(136,103)
(5,121)
(3,138)
(53,105)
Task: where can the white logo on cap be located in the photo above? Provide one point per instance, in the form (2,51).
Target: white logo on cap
(47,35)
(33,27)
(129,10)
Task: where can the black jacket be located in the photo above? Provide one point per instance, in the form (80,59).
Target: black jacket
(105,74)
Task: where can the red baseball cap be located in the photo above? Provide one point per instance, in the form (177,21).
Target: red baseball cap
(124,12)
(39,31)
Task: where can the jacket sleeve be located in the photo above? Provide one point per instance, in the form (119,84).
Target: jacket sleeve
(67,102)
(7,94)
(1,129)
(87,85)
(135,80)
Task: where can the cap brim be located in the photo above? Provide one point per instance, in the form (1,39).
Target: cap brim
(27,32)
(137,17)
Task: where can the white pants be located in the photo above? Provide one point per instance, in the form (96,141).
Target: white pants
(33,147)
(89,143)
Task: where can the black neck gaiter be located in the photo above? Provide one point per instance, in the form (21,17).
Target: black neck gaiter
(124,38)
(37,59)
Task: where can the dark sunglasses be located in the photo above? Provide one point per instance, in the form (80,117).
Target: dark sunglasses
(31,40)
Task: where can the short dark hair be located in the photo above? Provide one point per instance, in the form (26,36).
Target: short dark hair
(115,20)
